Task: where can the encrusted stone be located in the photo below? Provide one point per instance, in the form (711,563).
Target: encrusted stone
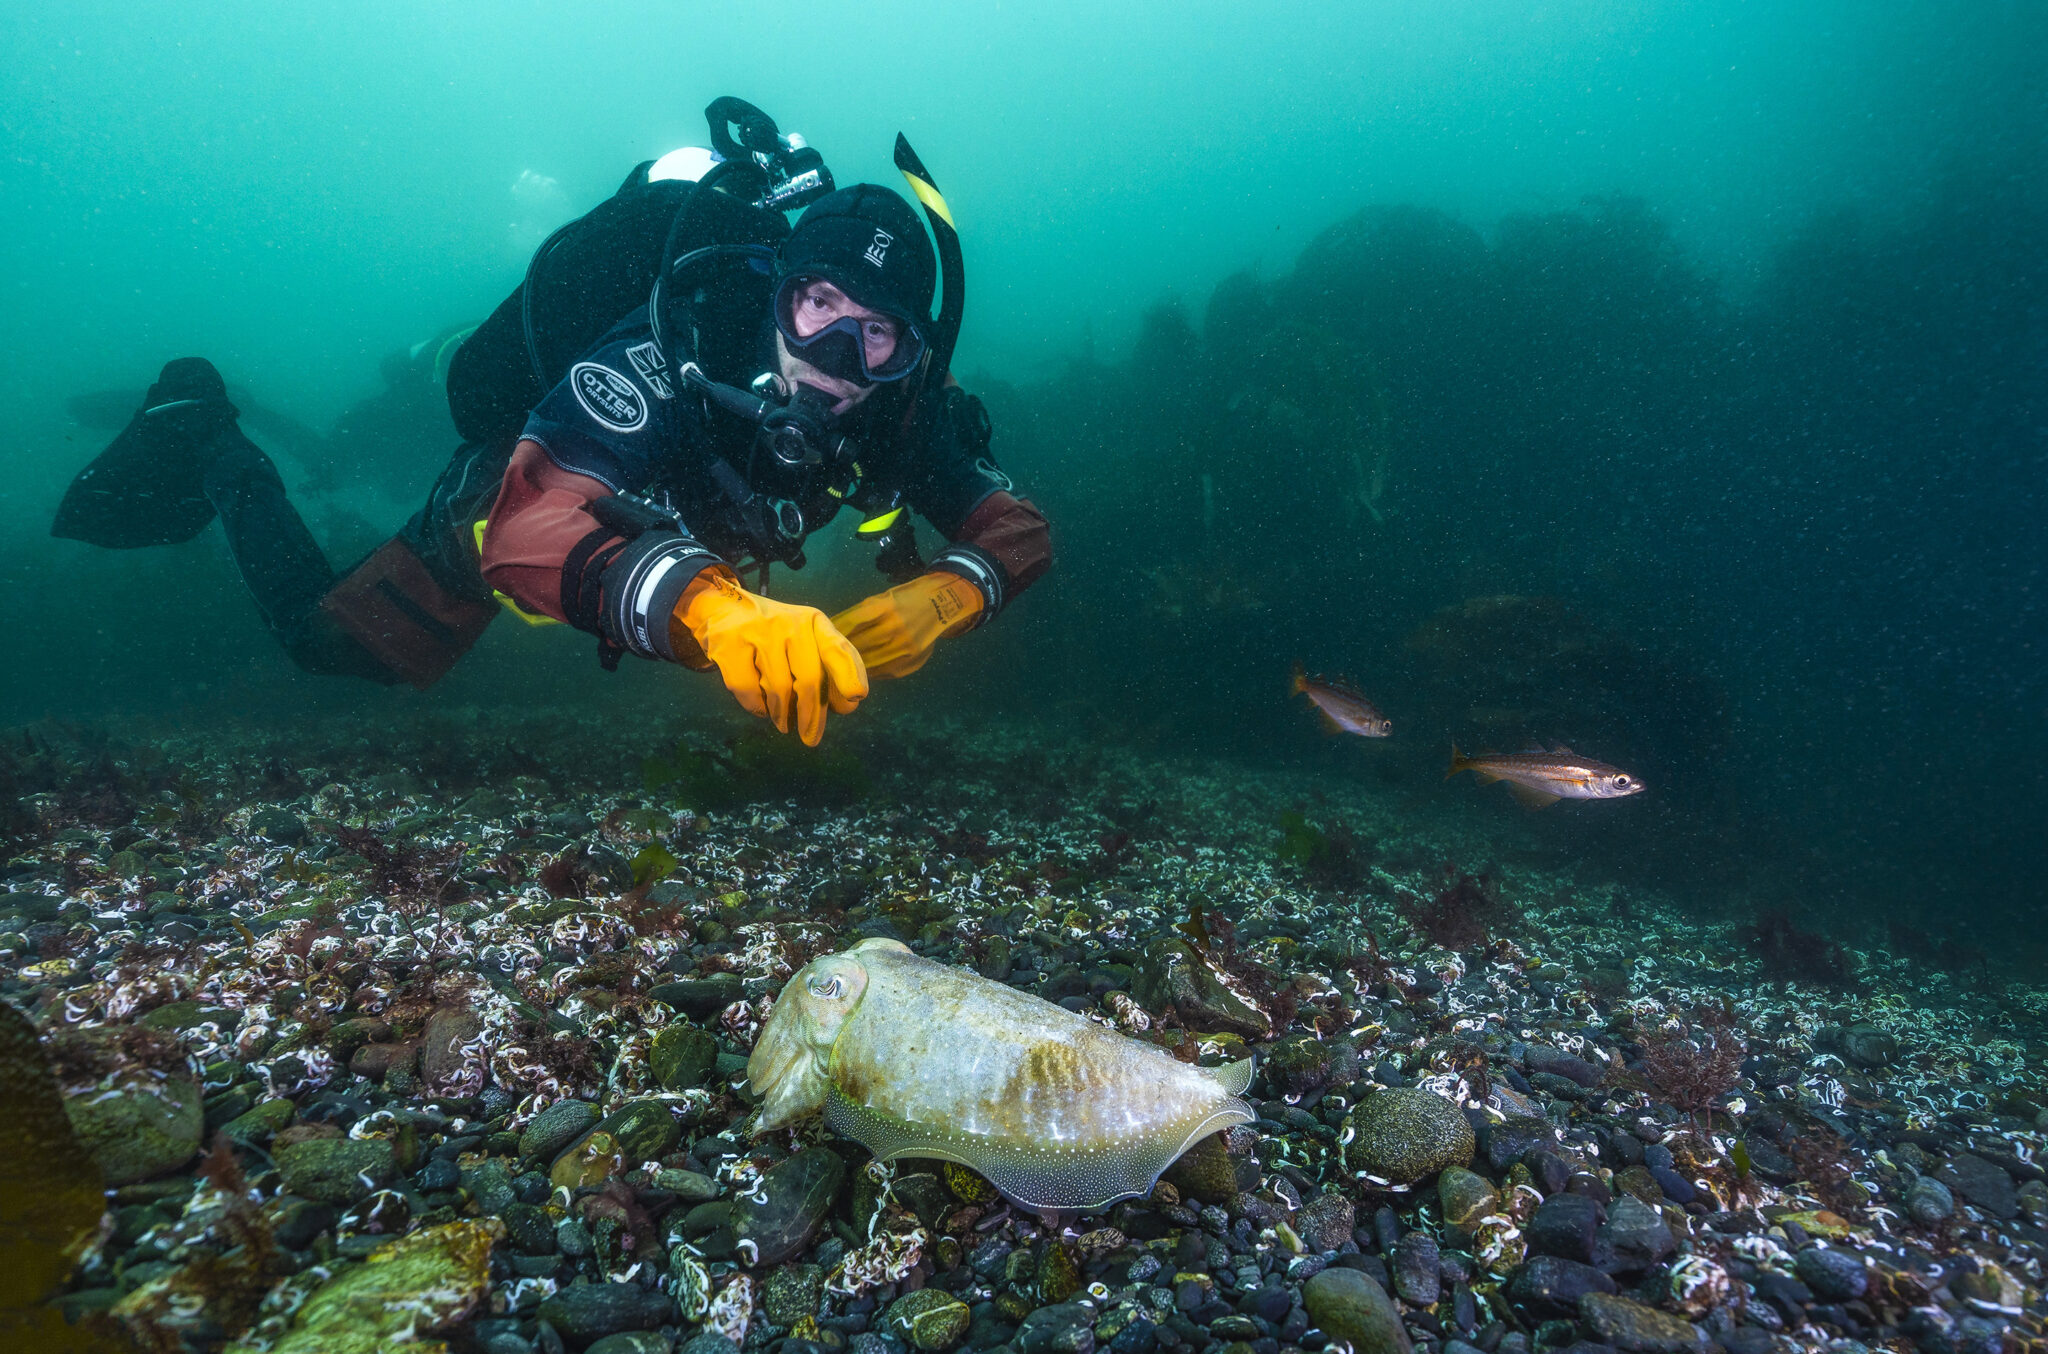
(1402,1134)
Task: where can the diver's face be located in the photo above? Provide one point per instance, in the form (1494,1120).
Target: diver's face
(817,305)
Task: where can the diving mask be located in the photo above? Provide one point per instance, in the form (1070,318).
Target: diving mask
(846,348)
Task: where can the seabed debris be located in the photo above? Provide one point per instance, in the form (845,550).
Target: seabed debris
(429,1038)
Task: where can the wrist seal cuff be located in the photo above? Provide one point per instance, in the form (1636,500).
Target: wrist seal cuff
(641,586)
(983,570)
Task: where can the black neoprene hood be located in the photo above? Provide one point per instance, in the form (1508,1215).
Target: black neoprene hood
(867,240)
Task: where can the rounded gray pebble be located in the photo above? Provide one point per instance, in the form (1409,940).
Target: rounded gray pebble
(1832,1273)
(572,1238)
(556,1127)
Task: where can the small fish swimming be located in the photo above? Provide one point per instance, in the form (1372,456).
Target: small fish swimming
(1343,710)
(913,1058)
(1539,779)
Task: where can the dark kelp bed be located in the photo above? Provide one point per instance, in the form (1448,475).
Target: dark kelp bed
(435,1035)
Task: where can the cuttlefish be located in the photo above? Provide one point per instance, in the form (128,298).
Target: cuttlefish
(912,1058)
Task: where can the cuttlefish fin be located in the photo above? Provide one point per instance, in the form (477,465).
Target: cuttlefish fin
(1031,1175)
(1531,797)
(1235,1078)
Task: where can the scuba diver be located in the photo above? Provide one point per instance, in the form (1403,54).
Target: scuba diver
(681,390)
(398,428)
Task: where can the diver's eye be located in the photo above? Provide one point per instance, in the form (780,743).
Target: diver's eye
(828,989)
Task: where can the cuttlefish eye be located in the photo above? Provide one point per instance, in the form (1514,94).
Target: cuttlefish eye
(828,989)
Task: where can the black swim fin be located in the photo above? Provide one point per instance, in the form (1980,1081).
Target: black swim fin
(145,488)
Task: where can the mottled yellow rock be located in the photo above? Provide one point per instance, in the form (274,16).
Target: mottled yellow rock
(1820,1222)
(965,1184)
(417,1285)
(590,1160)
(1467,1197)
(50,1199)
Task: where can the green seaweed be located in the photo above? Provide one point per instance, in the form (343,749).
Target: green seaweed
(759,765)
(1326,855)
(1196,928)
(1300,840)
(652,864)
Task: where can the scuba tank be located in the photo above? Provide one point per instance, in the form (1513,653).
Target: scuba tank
(601,266)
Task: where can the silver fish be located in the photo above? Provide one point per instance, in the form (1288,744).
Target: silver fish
(912,1058)
(1540,779)
(1342,708)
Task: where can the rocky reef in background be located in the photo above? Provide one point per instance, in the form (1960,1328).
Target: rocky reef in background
(1803,504)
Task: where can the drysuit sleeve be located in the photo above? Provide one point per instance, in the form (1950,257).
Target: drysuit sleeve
(614,416)
(562,540)
(547,549)
(1000,542)
(1015,532)
(542,513)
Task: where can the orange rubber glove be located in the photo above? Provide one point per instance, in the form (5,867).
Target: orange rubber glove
(785,663)
(895,630)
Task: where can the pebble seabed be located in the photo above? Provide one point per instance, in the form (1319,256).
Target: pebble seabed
(425,1003)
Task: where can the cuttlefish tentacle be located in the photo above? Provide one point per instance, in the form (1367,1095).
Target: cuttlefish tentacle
(913,1058)
(788,1065)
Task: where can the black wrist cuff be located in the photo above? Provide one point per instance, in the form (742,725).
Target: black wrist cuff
(983,570)
(583,578)
(641,584)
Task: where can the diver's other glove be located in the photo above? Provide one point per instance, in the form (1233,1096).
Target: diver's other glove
(895,630)
(785,663)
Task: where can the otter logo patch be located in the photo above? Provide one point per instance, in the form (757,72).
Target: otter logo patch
(608,397)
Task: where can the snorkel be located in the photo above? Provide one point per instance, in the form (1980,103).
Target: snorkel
(885,521)
(952,269)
